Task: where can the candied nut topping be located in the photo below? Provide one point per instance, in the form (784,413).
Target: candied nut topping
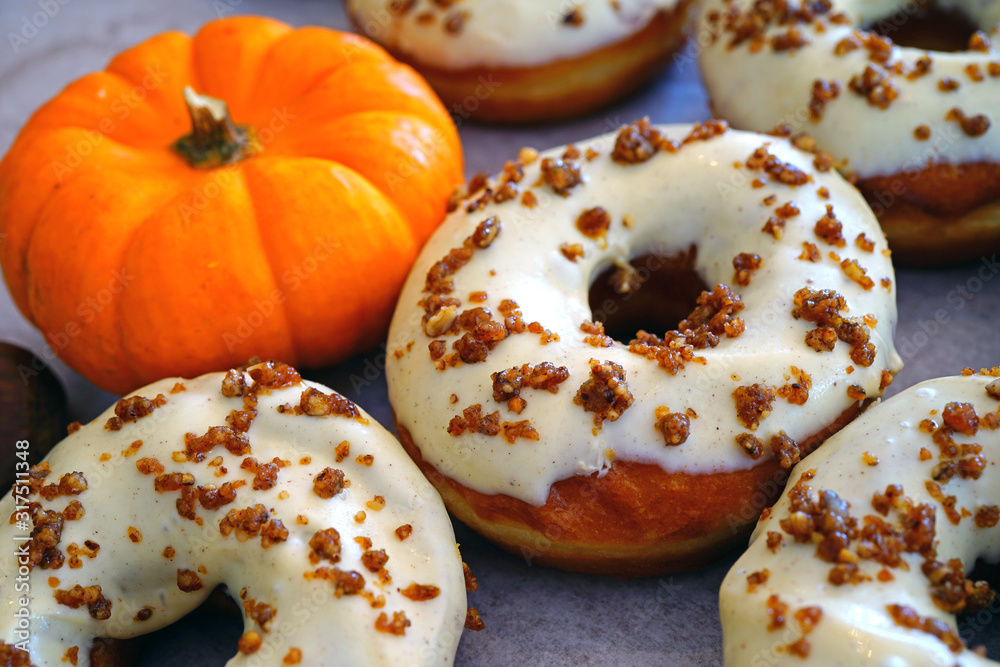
(188,580)
(947,84)
(325,545)
(711,318)
(404,531)
(273,533)
(420,592)
(507,384)
(605,393)
(961,417)
(274,375)
(785,449)
(637,142)
(797,392)
(908,617)
(782,172)
(864,242)
(745,264)
(315,403)
(328,483)
(472,420)
(674,426)
(594,222)
(196,447)
(250,642)
(876,85)
(149,466)
(751,444)
(260,613)
(234,384)
(572,251)
(829,228)
(823,307)
(293,657)
(596,336)
(776,612)
(473,621)
(91,596)
(774,540)
(755,579)
(374,560)
(344,583)
(397,626)
(973,126)
(561,176)
(810,252)
(474,346)
(987,516)
(822,93)
(246,522)
(753,404)
(520,429)
(133,409)
(265,476)
(857,274)
(173,481)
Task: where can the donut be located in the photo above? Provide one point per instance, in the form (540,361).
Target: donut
(865,558)
(914,128)
(320,528)
(527,60)
(645,451)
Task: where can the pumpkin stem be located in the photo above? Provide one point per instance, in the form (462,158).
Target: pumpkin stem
(214,140)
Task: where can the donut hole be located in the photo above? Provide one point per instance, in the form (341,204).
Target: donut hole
(653,292)
(926,26)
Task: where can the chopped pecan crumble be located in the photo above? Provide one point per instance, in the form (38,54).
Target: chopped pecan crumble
(605,393)
(675,427)
(91,596)
(594,222)
(561,176)
(753,404)
(133,409)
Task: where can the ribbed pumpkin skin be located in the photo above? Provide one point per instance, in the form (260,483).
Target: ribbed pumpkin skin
(136,265)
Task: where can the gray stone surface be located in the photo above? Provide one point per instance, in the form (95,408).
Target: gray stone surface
(948,319)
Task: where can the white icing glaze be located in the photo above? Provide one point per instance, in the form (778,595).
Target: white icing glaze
(855,628)
(327,630)
(695,196)
(514,33)
(758,90)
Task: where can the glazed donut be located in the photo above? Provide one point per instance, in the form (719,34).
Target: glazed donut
(330,540)
(863,561)
(557,442)
(914,128)
(527,60)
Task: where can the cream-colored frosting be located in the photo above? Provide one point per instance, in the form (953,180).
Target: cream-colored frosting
(758,88)
(132,575)
(514,33)
(856,629)
(700,195)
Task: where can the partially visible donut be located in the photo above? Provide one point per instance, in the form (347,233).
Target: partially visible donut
(527,60)
(333,544)
(917,129)
(555,441)
(864,560)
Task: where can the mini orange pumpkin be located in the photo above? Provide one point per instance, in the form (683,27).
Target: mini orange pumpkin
(142,248)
